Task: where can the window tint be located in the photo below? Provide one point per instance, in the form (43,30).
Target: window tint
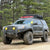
(23,22)
(20,22)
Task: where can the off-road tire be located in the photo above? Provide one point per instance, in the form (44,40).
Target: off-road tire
(28,38)
(7,40)
(45,37)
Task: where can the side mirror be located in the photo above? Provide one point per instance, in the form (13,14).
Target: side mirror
(31,22)
(35,24)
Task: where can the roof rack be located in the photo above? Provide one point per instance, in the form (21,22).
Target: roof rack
(32,16)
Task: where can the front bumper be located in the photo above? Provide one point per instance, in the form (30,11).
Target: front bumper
(13,34)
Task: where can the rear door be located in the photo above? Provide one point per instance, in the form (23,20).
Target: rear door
(40,27)
(35,26)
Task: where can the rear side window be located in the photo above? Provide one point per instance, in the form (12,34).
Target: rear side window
(37,21)
(44,23)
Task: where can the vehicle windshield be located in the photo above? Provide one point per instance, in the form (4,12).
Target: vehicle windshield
(23,22)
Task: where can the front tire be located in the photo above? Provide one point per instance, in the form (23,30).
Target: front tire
(7,40)
(28,38)
(45,37)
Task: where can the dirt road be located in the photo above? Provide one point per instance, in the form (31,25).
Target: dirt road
(19,45)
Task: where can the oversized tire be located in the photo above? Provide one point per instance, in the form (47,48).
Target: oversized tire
(7,40)
(45,37)
(28,38)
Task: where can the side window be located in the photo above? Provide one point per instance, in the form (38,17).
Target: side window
(44,23)
(39,22)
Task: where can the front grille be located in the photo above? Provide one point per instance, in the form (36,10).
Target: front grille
(10,31)
(10,28)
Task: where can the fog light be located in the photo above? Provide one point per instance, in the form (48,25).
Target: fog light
(18,30)
(13,28)
(6,28)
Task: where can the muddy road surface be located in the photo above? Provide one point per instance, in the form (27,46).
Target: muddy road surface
(19,45)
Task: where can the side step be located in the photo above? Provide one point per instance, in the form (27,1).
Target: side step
(38,36)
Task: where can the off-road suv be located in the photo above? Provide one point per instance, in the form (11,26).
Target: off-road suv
(27,28)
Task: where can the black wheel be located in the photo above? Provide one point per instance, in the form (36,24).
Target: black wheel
(28,38)
(45,37)
(7,40)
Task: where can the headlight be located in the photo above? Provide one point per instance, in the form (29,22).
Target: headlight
(13,28)
(6,28)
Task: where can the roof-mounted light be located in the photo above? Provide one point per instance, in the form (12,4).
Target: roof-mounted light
(33,16)
(27,16)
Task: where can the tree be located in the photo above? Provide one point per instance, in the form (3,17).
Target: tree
(34,7)
(18,9)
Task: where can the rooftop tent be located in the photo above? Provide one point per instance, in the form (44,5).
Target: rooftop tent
(32,16)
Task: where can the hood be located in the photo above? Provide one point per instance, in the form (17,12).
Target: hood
(20,26)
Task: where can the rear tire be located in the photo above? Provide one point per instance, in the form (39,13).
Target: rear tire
(45,37)
(28,38)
